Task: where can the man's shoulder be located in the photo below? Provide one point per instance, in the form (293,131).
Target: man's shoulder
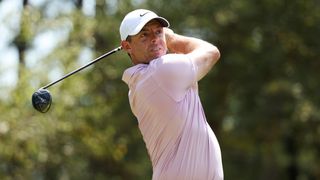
(171,63)
(129,72)
(175,74)
(170,58)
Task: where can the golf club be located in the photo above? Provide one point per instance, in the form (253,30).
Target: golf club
(41,99)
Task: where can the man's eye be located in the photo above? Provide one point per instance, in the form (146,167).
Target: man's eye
(159,32)
(143,35)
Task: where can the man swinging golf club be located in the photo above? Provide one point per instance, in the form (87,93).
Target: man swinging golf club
(163,95)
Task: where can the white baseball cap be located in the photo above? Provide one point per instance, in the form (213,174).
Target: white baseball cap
(135,20)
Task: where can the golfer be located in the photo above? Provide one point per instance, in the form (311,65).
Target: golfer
(163,95)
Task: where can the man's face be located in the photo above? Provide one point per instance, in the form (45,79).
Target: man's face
(148,44)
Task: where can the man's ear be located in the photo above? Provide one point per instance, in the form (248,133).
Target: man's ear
(126,46)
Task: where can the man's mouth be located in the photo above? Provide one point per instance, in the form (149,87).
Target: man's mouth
(156,49)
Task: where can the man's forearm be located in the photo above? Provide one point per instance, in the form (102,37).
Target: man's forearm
(203,54)
(182,44)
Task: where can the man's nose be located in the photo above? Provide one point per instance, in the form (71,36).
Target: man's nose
(154,37)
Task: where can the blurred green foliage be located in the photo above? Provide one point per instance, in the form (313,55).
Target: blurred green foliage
(261,99)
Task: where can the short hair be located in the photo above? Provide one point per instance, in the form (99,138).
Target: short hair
(128,38)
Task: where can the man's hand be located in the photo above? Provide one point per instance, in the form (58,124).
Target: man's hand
(169,35)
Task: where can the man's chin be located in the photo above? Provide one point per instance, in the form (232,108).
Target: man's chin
(158,54)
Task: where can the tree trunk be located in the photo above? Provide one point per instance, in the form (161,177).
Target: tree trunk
(20,41)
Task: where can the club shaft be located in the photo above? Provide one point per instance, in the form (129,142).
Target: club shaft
(82,67)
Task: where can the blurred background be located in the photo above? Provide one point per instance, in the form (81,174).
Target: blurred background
(262,98)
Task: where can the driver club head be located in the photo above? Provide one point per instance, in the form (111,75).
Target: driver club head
(41,100)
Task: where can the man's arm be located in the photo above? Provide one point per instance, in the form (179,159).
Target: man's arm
(203,54)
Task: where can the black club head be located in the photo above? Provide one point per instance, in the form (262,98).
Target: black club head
(41,100)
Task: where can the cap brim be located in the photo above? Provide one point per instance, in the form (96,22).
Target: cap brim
(161,20)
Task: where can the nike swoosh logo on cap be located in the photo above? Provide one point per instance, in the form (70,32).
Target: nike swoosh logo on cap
(141,15)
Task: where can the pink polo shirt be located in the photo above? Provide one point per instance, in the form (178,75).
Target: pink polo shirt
(164,97)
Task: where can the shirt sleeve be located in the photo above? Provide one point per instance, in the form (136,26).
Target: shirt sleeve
(175,74)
